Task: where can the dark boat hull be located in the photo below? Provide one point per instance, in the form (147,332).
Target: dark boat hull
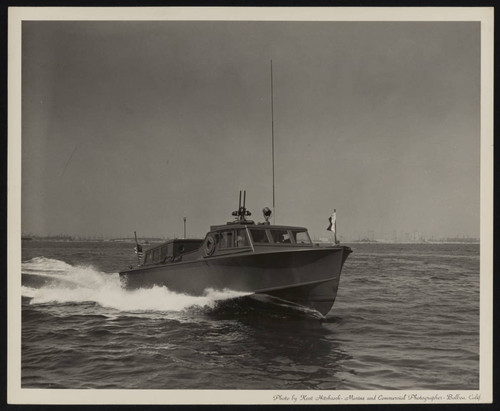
(308,276)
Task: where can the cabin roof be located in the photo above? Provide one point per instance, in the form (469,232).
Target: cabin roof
(253,226)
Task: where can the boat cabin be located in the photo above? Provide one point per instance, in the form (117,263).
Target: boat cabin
(245,234)
(228,239)
(170,251)
(231,237)
(238,236)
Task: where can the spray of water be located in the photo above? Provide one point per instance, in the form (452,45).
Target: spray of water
(64,283)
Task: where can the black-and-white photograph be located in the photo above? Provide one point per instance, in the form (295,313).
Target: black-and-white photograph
(286,205)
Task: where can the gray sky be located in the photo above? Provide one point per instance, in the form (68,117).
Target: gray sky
(134,125)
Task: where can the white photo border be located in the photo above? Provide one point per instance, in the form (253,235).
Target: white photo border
(18,395)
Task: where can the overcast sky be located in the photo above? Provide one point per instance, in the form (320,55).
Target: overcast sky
(134,125)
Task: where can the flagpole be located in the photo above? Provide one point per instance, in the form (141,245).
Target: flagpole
(335,226)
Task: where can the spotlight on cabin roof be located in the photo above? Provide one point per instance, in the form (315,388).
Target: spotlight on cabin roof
(267,213)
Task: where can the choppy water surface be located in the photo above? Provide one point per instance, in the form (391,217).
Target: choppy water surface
(406,317)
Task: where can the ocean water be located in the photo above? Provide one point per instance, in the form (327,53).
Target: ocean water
(406,317)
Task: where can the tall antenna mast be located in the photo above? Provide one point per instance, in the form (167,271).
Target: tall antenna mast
(272,136)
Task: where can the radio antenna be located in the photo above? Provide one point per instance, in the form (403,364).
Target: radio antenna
(272,137)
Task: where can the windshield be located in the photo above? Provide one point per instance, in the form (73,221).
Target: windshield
(280,236)
(259,236)
(301,237)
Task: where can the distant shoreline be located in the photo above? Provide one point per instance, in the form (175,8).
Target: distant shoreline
(155,241)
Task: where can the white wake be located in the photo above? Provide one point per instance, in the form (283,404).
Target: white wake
(64,283)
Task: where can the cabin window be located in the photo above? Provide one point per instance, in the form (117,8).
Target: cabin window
(242,238)
(301,237)
(226,239)
(281,236)
(156,255)
(259,236)
(163,253)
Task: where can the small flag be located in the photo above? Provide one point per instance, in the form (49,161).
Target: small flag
(138,250)
(333,226)
(333,222)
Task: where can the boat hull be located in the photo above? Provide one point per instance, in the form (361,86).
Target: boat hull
(309,276)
